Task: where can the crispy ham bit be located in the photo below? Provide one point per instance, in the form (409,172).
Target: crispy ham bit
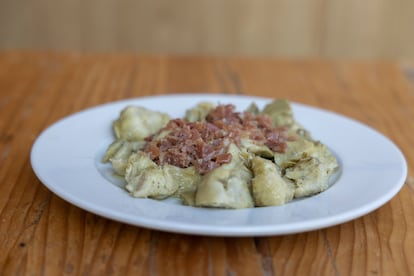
(204,145)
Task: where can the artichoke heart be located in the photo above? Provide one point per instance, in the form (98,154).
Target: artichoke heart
(254,148)
(281,113)
(146,179)
(309,177)
(199,112)
(308,164)
(135,123)
(227,186)
(296,150)
(119,152)
(268,186)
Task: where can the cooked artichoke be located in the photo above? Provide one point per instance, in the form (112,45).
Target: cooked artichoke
(227,186)
(199,112)
(309,176)
(280,111)
(295,151)
(254,148)
(253,109)
(146,179)
(268,186)
(186,178)
(135,123)
(308,164)
(118,154)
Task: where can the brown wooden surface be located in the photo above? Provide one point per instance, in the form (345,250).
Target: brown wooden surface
(41,234)
(300,28)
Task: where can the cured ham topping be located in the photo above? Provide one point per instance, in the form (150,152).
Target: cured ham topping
(204,144)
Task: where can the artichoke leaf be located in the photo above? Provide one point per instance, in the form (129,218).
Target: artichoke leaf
(135,123)
(227,186)
(268,186)
(309,176)
(199,112)
(146,179)
(119,152)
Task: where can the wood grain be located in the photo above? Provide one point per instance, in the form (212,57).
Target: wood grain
(282,28)
(41,234)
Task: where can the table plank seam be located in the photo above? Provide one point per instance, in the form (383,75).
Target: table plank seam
(328,248)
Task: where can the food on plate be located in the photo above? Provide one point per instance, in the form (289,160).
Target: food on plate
(268,186)
(218,157)
(135,123)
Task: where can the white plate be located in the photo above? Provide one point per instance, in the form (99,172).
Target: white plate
(66,158)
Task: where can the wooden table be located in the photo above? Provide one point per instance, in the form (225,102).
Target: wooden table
(41,234)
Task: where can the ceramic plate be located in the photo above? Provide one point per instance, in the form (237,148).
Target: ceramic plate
(67,156)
